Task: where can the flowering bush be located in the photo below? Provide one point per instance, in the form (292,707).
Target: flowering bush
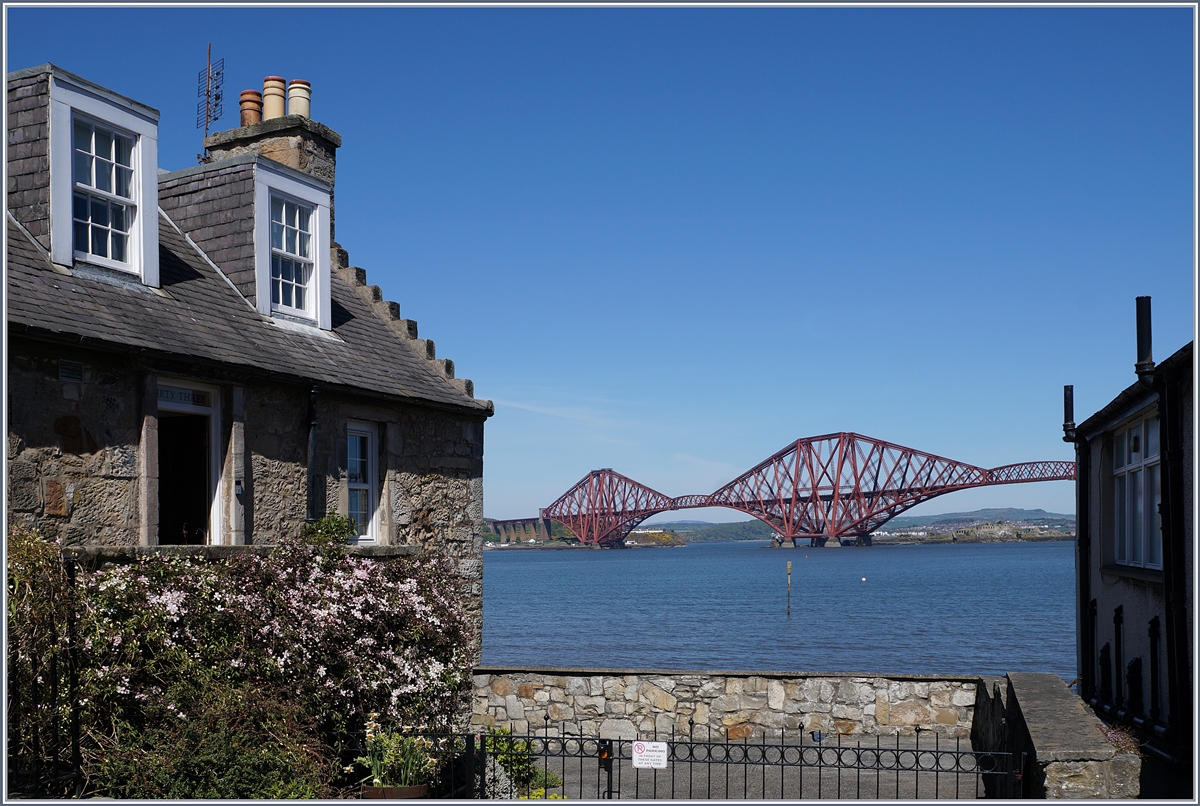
(324,638)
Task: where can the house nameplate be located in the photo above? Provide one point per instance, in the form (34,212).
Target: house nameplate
(187,397)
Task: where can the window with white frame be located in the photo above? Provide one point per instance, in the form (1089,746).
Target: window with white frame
(1137,492)
(102,205)
(361,480)
(103,179)
(291,237)
(291,255)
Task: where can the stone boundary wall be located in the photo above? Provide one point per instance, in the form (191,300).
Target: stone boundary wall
(718,705)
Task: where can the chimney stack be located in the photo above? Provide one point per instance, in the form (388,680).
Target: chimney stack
(293,139)
(1145,353)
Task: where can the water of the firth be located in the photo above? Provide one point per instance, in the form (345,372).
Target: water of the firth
(940,609)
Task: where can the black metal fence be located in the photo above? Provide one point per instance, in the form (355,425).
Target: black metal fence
(42,707)
(548,767)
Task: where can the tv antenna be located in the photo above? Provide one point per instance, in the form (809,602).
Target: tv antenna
(209,110)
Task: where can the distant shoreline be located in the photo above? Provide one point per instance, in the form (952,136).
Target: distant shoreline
(900,540)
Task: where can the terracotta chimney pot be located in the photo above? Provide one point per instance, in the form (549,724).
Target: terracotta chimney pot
(273,95)
(251,104)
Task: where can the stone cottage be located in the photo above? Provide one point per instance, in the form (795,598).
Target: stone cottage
(191,357)
(1135,560)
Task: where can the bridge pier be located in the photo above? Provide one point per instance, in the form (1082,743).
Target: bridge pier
(863,540)
(815,541)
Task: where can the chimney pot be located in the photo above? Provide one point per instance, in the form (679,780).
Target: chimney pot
(1145,358)
(299,97)
(251,104)
(273,95)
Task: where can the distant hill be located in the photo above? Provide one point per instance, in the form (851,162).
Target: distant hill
(989,515)
(704,532)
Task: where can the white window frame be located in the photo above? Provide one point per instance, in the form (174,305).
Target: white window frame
(271,182)
(355,428)
(69,100)
(1130,489)
(216,480)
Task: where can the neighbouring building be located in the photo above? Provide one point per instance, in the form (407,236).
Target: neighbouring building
(191,357)
(1134,561)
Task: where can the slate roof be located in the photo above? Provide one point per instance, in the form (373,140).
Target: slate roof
(198,315)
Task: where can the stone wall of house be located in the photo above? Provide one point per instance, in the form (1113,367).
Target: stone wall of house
(29,154)
(718,706)
(72,447)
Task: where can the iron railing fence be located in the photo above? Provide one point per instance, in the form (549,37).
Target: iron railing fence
(504,766)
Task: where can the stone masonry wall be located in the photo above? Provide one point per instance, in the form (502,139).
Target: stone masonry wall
(72,448)
(718,706)
(28,184)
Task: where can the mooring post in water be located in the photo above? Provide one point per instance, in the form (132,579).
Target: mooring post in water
(789,587)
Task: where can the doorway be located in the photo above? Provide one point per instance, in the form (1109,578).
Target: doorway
(184,488)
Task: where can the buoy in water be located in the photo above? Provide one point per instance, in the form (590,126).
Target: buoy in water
(864,579)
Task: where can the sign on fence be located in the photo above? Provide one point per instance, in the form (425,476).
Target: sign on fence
(650,755)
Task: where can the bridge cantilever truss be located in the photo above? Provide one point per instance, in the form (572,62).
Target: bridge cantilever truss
(836,485)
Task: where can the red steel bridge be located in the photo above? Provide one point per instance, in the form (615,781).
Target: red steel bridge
(843,486)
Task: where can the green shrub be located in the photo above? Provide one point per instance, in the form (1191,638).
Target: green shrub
(219,742)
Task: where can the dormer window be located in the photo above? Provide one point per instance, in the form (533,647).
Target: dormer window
(102,208)
(103,179)
(291,255)
(291,245)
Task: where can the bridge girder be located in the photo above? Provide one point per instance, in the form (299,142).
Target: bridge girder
(832,485)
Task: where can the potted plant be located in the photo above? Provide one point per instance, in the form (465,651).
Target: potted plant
(401,763)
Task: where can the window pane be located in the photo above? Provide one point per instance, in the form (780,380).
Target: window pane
(1152,437)
(356,463)
(1119,450)
(358,509)
(275,292)
(302,272)
(1135,517)
(1154,538)
(304,213)
(118,247)
(289,240)
(1119,518)
(81,237)
(103,175)
(300,298)
(83,168)
(124,151)
(303,245)
(99,240)
(1135,444)
(103,144)
(124,181)
(99,212)
(290,209)
(118,218)
(285,292)
(277,209)
(83,136)
(285,269)
(81,207)
(276,236)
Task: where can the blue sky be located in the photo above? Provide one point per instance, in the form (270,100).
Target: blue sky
(670,241)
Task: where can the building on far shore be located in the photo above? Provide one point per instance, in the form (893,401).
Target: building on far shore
(1134,561)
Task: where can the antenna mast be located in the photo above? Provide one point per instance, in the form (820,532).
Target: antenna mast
(209,110)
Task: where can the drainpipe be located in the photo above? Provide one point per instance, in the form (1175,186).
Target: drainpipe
(1179,682)
(311,511)
(1083,544)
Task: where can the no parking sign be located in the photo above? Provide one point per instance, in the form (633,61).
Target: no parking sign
(650,755)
